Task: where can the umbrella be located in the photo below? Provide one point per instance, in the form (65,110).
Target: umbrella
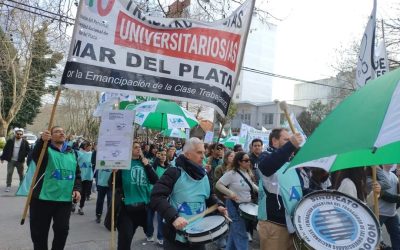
(363,130)
(162,115)
(231,141)
(176,133)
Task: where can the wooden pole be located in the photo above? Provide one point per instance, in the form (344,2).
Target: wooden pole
(112,245)
(376,205)
(284,108)
(40,160)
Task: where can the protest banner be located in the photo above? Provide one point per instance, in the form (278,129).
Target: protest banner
(115,47)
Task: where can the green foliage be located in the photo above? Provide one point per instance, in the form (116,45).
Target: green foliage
(44,60)
(2,143)
(312,117)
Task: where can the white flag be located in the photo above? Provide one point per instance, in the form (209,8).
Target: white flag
(381,59)
(365,67)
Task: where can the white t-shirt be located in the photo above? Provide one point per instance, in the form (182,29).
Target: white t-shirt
(235,183)
(17,146)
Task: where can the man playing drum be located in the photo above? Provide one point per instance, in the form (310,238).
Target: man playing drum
(183,192)
(273,231)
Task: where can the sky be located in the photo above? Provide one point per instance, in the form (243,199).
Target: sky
(311,32)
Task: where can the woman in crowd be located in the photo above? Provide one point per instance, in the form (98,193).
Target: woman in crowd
(237,185)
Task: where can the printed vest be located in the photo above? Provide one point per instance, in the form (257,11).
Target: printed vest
(135,184)
(103,175)
(59,176)
(85,164)
(188,197)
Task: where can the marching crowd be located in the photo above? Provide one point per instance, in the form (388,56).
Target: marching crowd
(177,182)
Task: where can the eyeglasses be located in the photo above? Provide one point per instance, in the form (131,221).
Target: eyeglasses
(245,160)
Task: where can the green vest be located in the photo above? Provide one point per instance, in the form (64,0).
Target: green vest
(59,176)
(160,171)
(135,184)
(103,175)
(85,164)
(189,197)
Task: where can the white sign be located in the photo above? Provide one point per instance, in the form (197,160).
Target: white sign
(263,136)
(114,148)
(115,47)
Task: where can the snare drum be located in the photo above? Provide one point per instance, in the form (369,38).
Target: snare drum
(207,229)
(331,220)
(248,211)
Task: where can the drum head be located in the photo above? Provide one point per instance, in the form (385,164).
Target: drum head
(205,225)
(249,208)
(332,220)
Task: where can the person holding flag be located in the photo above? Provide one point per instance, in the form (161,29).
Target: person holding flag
(59,183)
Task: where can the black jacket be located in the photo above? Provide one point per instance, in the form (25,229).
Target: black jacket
(163,189)
(268,166)
(9,148)
(35,157)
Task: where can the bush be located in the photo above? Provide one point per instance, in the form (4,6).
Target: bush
(2,142)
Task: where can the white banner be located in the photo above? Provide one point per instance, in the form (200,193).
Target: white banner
(381,59)
(264,136)
(114,148)
(365,67)
(208,138)
(116,48)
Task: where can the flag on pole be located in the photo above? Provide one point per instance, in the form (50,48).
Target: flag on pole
(381,59)
(116,48)
(365,64)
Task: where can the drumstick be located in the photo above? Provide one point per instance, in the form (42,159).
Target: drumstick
(201,215)
(284,108)
(227,218)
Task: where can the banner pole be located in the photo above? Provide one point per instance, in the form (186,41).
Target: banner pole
(40,160)
(112,245)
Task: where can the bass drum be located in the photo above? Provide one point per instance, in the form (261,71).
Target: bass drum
(333,220)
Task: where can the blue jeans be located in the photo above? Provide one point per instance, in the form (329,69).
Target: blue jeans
(150,224)
(101,194)
(237,237)
(393,228)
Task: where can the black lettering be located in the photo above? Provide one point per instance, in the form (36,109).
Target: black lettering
(89,51)
(106,52)
(148,62)
(162,69)
(77,48)
(240,23)
(129,58)
(184,68)
(196,73)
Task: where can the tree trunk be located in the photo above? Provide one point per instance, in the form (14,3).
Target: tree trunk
(3,128)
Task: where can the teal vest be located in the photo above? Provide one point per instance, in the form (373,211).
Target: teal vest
(160,171)
(289,189)
(85,164)
(135,184)
(59,176)
(188,197)
(103,175)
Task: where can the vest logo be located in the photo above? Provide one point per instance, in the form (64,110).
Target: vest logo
(103,7)
(191,208)
(294,194)
(62,175)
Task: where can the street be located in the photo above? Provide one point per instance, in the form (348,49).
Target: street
(84,233)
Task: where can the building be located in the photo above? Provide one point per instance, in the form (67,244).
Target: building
(305,93)
(261,114)
(259,55)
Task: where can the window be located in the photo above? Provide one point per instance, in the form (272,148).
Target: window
(245,118)
(268,119)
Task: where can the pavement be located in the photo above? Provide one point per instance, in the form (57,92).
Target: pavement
(84,233)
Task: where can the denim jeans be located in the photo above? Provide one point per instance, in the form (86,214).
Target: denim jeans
(237,237)
(102,192)
(150,224)
(392,224)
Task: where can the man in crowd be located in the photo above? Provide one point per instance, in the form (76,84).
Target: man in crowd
(273,232)
(134,186)
(58,182)
(15,151)
(183,192)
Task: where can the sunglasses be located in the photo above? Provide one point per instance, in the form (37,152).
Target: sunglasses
(245,160)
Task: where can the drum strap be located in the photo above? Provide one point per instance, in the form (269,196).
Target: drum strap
(247,181)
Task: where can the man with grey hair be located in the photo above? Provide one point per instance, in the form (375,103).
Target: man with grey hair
(183,192)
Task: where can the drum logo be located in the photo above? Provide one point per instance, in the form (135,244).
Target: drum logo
(334,225)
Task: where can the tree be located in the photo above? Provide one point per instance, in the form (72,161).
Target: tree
(312,117)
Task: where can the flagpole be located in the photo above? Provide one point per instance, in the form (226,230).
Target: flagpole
(41,156)
(112,245)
